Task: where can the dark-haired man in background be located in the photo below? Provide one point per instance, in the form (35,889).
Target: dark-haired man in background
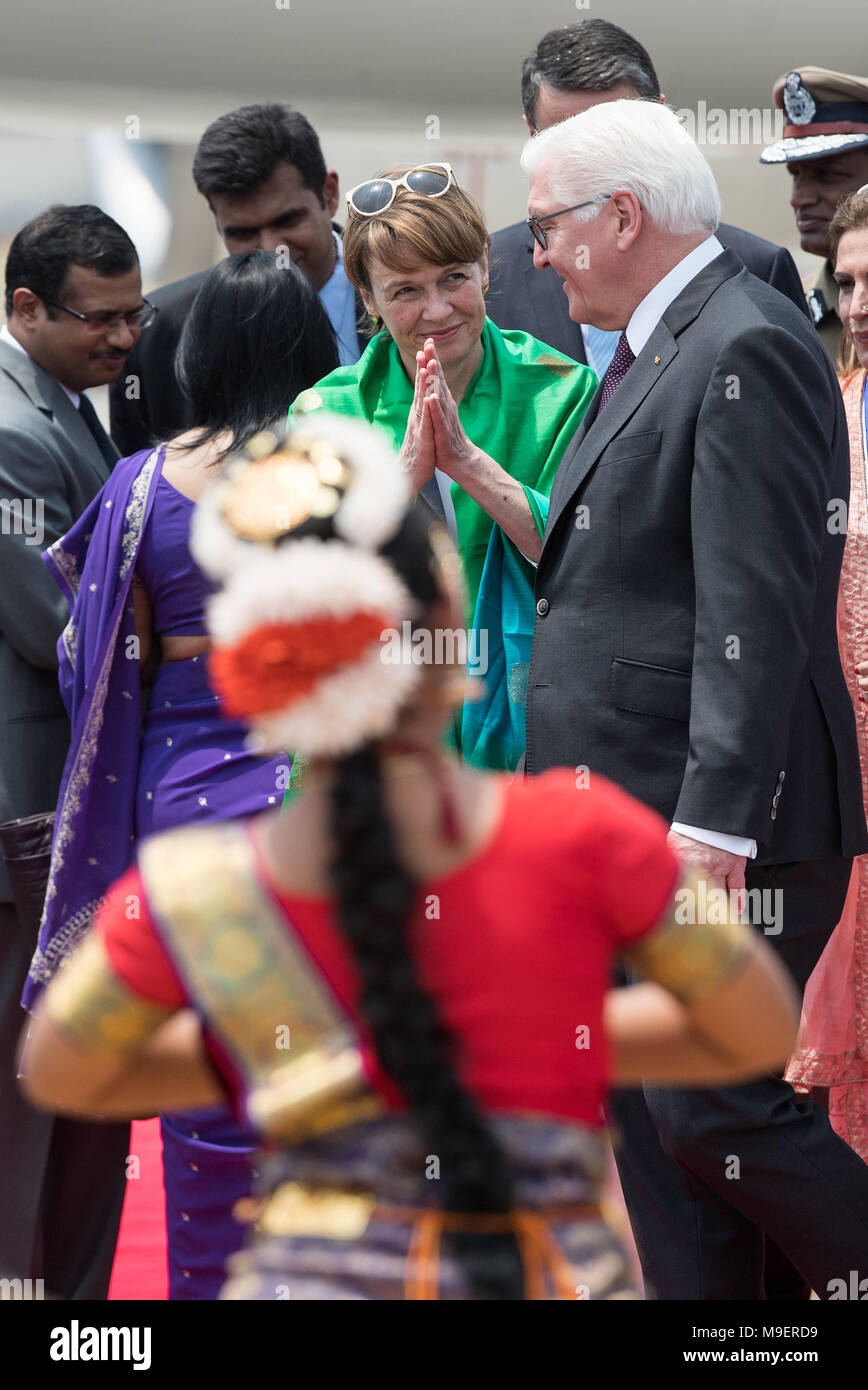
(571,69)
(262,173)
(75,309)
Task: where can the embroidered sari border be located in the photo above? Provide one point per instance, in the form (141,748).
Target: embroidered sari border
(74,892)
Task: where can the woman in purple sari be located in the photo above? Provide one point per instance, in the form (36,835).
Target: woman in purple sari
(150,748)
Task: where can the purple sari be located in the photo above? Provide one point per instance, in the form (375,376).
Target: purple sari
(94,829)
(134,769)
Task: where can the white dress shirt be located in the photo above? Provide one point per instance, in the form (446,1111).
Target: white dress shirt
(647,315)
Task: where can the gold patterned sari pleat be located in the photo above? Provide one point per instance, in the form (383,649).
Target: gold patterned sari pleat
(248,974)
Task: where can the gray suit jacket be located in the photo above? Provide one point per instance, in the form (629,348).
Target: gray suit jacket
(685,644)
(50,469)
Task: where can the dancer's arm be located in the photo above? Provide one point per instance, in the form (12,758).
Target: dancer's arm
(718,1007)
(96,1048)
(171,1072)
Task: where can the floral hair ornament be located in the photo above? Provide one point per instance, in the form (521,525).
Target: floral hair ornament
(292,531)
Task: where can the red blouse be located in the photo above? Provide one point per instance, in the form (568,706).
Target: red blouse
(516,945)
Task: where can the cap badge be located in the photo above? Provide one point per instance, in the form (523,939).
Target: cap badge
(798,102)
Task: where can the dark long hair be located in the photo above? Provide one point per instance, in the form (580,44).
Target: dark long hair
(375,897)
(255,337)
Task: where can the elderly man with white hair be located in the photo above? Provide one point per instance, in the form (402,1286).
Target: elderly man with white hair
(685,647)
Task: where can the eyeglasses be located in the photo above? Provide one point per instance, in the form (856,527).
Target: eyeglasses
(142,317)
(534,222)
(375,195)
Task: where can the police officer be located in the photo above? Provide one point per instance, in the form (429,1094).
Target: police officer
(825,148)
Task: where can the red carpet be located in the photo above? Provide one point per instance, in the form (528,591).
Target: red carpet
(139,1270)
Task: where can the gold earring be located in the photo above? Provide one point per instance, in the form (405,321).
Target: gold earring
(485,287)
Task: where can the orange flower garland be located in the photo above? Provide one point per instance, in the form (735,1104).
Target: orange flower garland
(276,663)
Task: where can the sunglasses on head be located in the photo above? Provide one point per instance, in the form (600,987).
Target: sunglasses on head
(375,195)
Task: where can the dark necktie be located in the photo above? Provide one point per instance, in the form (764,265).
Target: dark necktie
(618,369)
(91,419)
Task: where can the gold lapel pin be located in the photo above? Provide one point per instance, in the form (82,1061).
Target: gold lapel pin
(656,361)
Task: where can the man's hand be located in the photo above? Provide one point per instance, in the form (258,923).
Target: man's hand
(717,867)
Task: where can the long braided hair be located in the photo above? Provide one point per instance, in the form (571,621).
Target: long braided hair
(375,896)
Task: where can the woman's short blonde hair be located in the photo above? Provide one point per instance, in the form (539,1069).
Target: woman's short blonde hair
(851,215)
(414,231)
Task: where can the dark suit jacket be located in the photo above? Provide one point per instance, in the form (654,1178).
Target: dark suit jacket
(520,296)
(49,458)
(687,645)
(153,407)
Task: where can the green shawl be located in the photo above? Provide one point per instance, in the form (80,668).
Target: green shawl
(523,406)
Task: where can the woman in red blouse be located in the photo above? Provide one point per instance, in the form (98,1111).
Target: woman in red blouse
(401,978)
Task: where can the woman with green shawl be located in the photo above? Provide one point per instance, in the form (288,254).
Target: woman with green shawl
(481,418)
